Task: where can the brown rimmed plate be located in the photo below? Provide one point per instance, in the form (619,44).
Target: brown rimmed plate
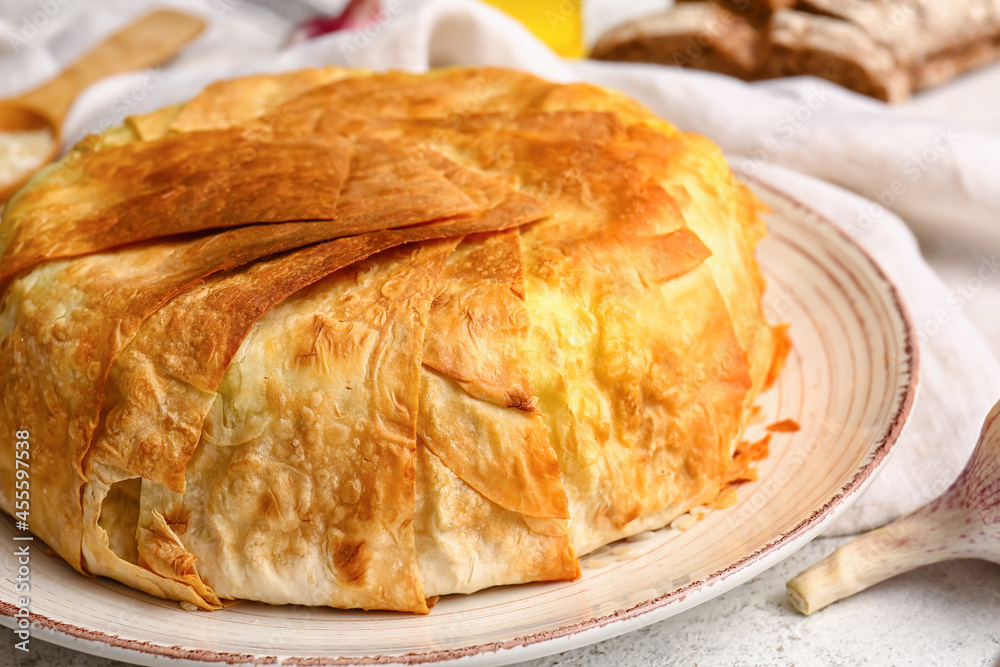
(850,382)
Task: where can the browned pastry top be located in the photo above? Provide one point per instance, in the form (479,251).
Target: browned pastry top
(351,339)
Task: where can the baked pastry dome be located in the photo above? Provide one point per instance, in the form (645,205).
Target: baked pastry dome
(340,338)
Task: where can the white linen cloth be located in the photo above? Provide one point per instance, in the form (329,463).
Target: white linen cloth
(944,181)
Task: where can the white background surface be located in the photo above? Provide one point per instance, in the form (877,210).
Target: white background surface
(944,615)
(947,614)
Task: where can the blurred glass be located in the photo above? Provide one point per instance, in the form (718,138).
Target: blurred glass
(559,23)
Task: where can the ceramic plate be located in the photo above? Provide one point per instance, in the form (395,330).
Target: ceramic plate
(849,383)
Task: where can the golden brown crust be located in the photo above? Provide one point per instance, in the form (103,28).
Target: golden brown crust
(478,411)
(161,552)
(465,542)
(73,318)
(479,321)
(155,124)
(393,184)
(163,384)
(308,463)
(488,479)
(227,103)
(447,93)
(365,410)
(110,548)
(180,183)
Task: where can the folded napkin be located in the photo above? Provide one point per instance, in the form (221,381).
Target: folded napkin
(943,181)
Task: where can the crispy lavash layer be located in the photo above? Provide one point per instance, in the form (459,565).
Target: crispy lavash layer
(538,393)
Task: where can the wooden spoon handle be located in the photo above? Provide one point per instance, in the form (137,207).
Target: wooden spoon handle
(147,42)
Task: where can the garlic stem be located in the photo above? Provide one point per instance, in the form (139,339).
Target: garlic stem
(964,522)
(910,542)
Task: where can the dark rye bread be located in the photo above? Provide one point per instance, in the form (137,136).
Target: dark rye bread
(697,35)
(755,11)
(886,49)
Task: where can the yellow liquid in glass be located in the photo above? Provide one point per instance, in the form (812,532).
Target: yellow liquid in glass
(559,23)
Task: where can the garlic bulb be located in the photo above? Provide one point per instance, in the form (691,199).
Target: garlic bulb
(963,522)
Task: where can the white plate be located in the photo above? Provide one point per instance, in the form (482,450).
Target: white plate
(850,382)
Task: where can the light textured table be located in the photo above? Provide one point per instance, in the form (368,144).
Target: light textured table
(947,614)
